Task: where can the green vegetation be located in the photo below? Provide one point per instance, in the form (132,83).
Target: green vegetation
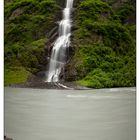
(15,75)
(26,24)
(104,42)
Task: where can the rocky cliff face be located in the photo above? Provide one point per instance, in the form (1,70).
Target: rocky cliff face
(31,26)
(102,52)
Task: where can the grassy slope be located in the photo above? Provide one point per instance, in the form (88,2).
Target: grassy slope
(15,75)
(104,42)
(26,25)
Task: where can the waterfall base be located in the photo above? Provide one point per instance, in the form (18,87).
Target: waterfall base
(37,81)
(50,85)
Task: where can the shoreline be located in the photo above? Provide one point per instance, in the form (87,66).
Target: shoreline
(57,86)
(51,85)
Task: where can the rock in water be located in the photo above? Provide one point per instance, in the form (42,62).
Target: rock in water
(5,138)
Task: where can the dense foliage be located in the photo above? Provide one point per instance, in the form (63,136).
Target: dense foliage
(103,41)
(27,23)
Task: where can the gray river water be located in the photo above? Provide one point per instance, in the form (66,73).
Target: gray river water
(39,114)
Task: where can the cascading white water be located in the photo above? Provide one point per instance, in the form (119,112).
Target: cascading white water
(58,55)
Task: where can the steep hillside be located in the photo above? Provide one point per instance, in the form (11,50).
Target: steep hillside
(27,25)
(103,40)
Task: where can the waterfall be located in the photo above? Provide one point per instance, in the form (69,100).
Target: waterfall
(62,43)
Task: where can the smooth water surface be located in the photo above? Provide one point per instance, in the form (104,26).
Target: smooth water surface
(39,114)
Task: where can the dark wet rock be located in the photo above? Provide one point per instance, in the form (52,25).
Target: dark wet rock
(38,81)
(6,138)
(51,85)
